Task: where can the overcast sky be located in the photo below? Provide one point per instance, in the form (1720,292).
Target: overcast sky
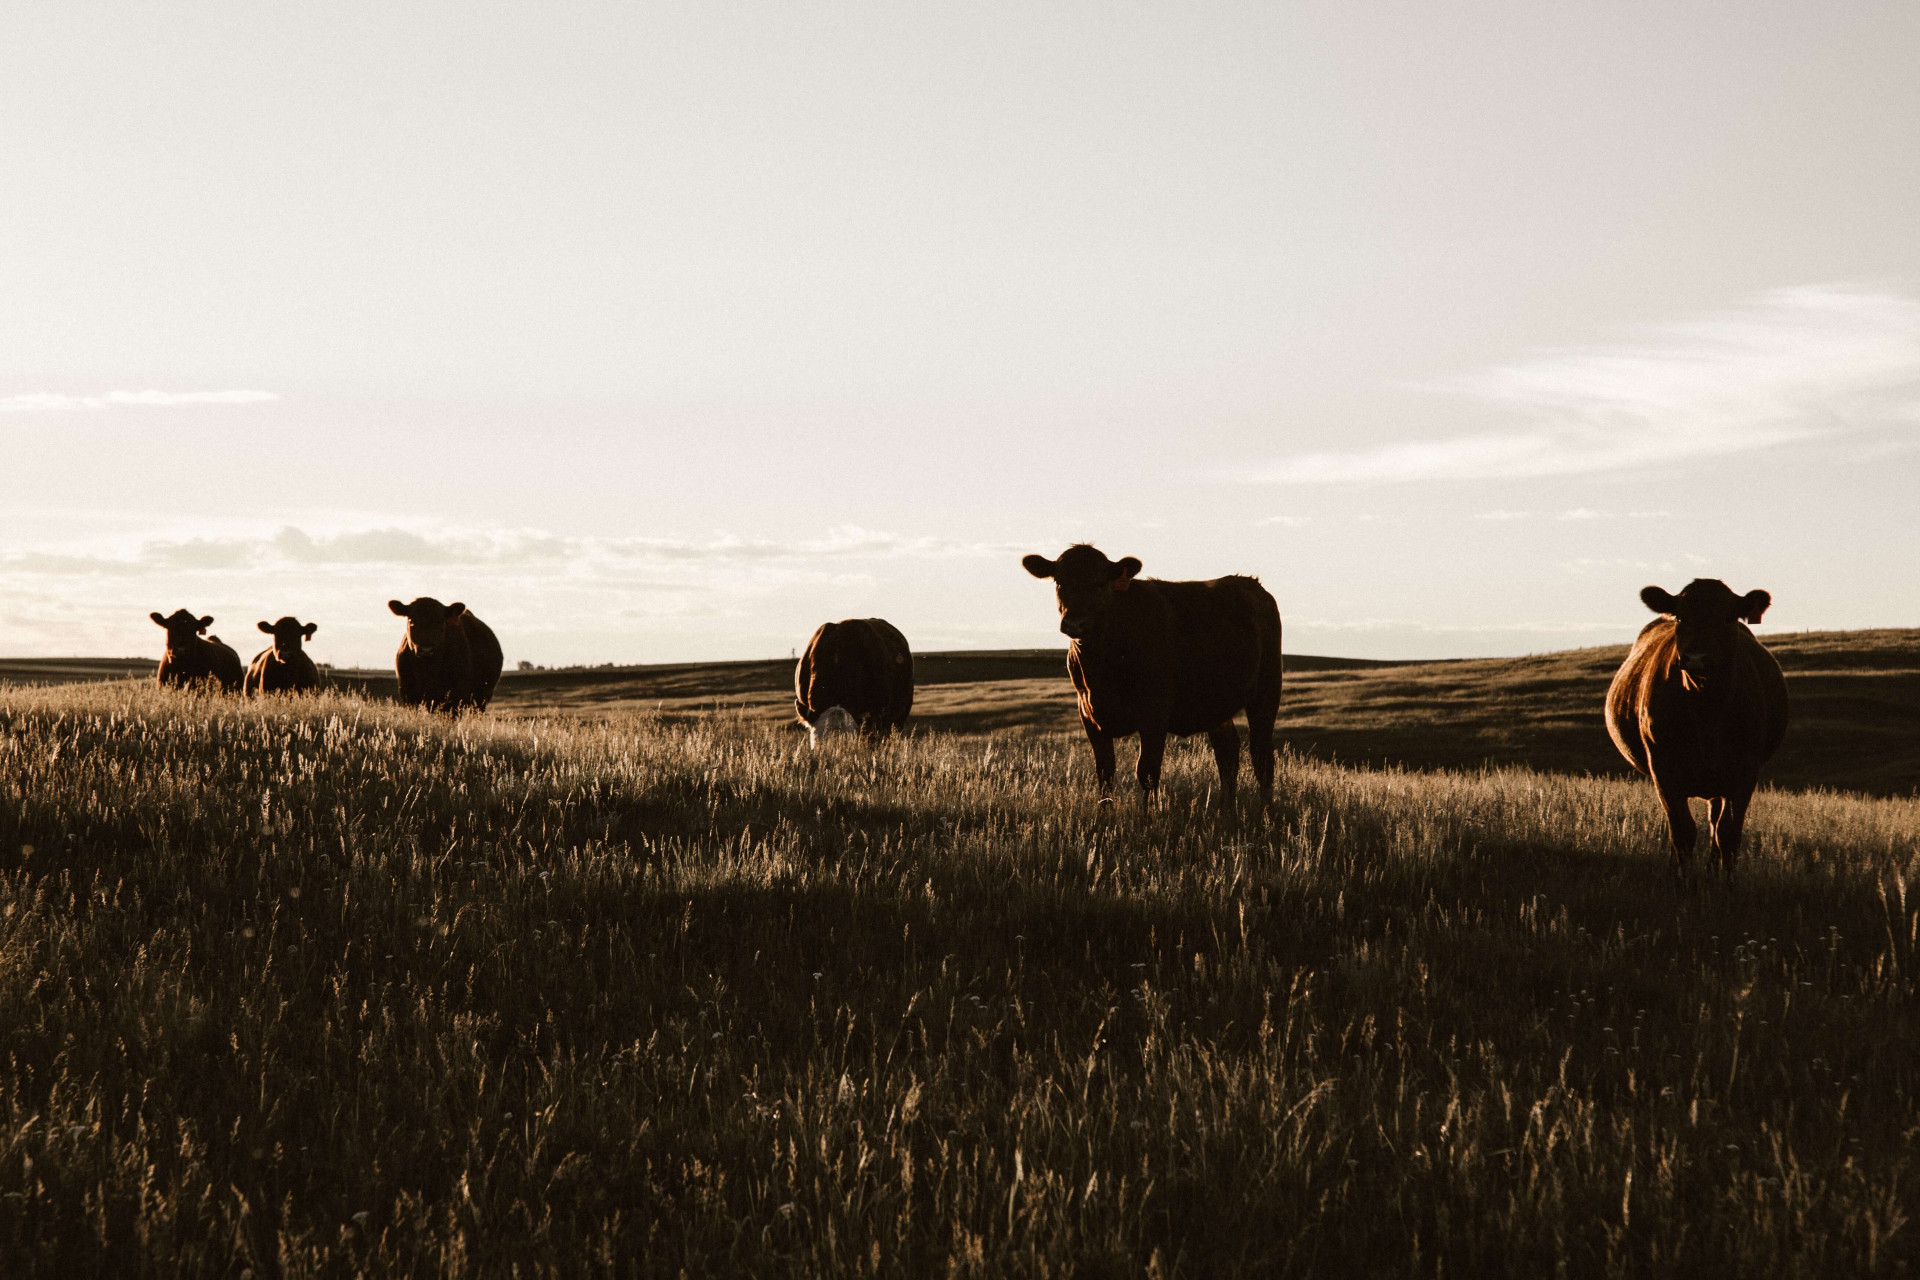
(659,333)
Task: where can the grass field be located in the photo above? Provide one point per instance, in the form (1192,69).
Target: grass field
(1856,703)
(326,987)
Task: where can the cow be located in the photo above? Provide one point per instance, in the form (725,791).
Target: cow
(284,666)
(190,659)
(1698,707)
(448,660)
(1154,658)
(860,668)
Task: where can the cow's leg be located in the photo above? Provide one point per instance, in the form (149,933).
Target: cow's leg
(1226,753)
(1102,744)
(1681,828)
(1153,746)
(1729,814)
(1261,714)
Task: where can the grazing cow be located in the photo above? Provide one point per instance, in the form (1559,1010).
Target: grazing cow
(1699,706)
(1154,658)
(448,660)
(861,668)
(190,659)
(284,667)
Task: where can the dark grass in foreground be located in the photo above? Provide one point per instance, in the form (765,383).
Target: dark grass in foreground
(329,986)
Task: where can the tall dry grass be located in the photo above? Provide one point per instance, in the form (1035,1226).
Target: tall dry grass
(326,987)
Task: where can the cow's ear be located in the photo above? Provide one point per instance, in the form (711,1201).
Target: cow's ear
(158,621)
(310,628)
(1753,606)
(1038,566)
(456,610)
(267,627)
(1658,599)
(205,623)
(397,607)
(1124,571)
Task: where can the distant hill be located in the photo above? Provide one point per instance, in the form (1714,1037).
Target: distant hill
(1856,702)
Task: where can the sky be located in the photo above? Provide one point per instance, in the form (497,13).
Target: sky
(665,333)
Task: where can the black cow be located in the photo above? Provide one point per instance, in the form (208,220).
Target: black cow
(1155,658)
(284,666)
(449,660)
(190,658)
(860,668)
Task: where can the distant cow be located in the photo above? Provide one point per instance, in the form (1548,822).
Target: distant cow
(190,659)
(1698,707)
(1155,658)
(284,667)
(448,660)
(860,668)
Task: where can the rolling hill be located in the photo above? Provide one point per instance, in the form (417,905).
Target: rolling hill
(1856,703)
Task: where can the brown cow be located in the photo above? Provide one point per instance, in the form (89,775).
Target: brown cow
(284,667)
(448,660)
(1154,658)
(1699,706)
(190,659)
(855,673)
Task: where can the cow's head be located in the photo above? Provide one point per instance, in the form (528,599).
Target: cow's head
(1084,584)
(1707,617)
(427,621)
(181,626)
(834,722)
(288,633)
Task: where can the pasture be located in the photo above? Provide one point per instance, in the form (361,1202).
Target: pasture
(638,985)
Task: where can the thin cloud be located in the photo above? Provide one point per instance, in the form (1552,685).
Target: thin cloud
(1797,364)
(54,402)
(1588,513)
(291,548)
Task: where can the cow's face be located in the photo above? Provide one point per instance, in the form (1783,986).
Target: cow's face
(1707,617)
(1084,584)
(288,634)
(427,621)
(834,722)
(181,626)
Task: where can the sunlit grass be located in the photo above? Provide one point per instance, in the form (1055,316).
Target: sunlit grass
(320,985)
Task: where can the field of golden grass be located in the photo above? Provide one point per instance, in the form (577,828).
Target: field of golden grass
(1856,703)
(325,986)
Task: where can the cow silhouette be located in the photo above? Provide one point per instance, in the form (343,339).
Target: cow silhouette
(284,667)
(448,660)
(1154,658)
(857,673)
(193,657)
(1698,706)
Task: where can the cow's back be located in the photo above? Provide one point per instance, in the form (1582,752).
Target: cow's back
(862,664)
(1225,650)
(484,661)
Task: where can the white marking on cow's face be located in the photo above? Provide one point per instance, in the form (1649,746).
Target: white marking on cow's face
(834,722)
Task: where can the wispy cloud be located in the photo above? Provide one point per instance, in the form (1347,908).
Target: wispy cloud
(1574,513)
(46,401)
(292,548)
(1796,364)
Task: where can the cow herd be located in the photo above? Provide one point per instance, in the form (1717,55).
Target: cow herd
(1697,707)
(449,660)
